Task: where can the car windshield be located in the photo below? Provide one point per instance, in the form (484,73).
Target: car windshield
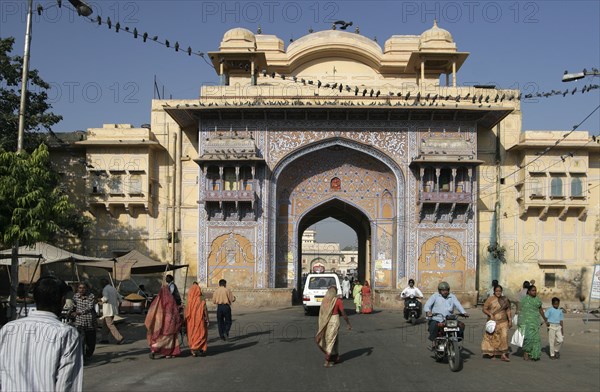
(321,282)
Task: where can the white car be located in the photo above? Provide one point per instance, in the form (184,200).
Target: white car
(315,287)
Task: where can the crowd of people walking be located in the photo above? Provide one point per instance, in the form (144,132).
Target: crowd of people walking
(167,316)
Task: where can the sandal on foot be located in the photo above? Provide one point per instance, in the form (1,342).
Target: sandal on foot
(504,358)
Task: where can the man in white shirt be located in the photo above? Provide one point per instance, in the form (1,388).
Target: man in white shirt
(110,308)
(411,292)
(39,352)
(346,288)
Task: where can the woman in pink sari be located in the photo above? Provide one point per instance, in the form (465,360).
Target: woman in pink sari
(367,298)
(163,324)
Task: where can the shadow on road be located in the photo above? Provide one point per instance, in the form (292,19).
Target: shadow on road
(356,353)
(224,348)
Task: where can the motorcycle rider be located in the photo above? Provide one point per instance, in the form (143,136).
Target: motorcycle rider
(444,304)
(407,293)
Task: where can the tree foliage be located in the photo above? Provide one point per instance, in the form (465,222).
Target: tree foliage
(33,207)
(37,114)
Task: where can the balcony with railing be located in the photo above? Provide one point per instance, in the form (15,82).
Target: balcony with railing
(445,197)
(231,195)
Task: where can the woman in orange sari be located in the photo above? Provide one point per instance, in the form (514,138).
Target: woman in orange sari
(163,325)
(497,308)
(367,298)
(196,317)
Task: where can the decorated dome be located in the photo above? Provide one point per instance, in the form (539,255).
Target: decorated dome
(436,34)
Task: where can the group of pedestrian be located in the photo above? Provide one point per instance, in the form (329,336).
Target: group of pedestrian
(363,297)
(56,362)
(81,310)
(166,317)
(498,309)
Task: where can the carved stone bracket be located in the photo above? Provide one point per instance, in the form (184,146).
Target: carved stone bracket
(452,212)
(563,213)
(544,214)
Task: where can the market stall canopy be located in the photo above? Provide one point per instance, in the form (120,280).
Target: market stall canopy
(133,262)
(46,254)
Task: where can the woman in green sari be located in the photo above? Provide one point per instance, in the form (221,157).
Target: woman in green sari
(357,295)
(529,322)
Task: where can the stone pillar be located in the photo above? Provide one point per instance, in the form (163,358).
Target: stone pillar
(453,183)
(437,179)
(454,73)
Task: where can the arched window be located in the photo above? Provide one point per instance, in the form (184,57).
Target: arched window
(556,187)
(429,179)
(445,180)
(576,187)
(230,179)
(212,179)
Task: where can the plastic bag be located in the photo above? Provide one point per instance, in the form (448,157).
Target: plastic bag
(490,326)
(517,338)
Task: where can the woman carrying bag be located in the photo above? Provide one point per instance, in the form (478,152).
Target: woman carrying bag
(495,338)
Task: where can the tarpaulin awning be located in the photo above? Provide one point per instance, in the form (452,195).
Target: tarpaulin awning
(46,254)
(133,262)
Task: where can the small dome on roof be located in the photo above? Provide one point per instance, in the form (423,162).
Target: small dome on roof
(239,33)
(436,34)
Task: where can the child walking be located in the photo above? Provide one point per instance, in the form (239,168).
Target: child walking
(556,333)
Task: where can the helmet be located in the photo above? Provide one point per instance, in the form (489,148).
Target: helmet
(443,286)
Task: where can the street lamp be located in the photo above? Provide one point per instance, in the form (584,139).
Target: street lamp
(569,77)
(82,9)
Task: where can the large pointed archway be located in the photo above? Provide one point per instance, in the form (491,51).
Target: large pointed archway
(348,214)
(330,178)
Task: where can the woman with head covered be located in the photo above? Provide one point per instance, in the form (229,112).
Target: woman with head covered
(196,317)
(163,324)
(329,326)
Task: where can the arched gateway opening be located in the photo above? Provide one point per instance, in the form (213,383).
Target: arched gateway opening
(347,181)
(347,214)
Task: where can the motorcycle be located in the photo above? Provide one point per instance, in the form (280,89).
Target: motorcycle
(413,307)
(448,343)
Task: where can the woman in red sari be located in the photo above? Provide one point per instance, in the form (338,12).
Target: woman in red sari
(367,298)
(163,324)
(196,317)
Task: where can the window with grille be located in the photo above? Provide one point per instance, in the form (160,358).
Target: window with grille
(115,184)
(535,187)
(135,184)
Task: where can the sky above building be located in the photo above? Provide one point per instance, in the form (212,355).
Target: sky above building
(98,75)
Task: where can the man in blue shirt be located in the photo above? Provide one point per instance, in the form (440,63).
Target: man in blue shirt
(443,303)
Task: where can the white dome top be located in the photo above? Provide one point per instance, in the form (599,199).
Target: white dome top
(239,33)
(436,34)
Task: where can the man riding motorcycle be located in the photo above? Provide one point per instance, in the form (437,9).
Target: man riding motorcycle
(442,304)
(407,294)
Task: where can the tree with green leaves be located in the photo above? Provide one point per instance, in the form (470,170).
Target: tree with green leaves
(37,115)
(33,207)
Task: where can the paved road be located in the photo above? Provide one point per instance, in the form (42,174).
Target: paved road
(274,350)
